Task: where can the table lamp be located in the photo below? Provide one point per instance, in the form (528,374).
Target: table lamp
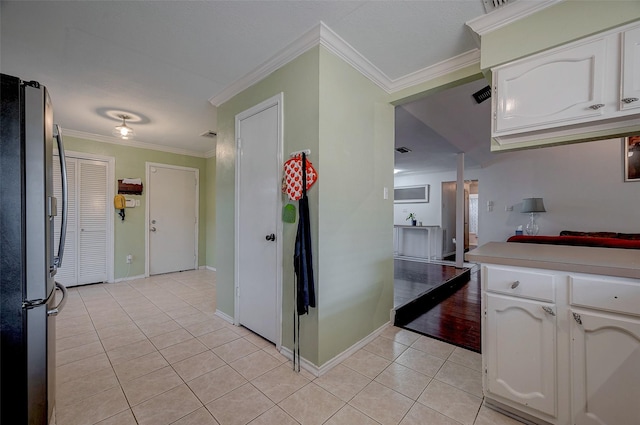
(532,206)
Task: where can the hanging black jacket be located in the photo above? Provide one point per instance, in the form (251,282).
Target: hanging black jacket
(303,259)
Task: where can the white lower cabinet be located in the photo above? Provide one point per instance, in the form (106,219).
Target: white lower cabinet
(605,369)
(562,348)
(605,350)
(521,351)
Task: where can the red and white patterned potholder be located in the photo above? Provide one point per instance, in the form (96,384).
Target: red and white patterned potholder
(292,180)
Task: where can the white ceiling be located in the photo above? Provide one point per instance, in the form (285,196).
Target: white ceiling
(442,125)
(163,60)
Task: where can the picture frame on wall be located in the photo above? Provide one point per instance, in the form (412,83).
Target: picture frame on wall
(632,158)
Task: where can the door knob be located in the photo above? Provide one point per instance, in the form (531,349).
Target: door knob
(153,229)
(271,237)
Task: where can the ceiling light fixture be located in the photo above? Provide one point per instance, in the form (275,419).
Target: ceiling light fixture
(123,131)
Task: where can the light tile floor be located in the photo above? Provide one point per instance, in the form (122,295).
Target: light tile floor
(152,351)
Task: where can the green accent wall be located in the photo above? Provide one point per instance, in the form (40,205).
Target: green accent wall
(355,255)
(298,81)
(564,22)
(129,235)
(347,122)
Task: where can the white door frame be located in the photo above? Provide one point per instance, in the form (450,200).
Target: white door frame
(111,175)
(273,101)
(196,226)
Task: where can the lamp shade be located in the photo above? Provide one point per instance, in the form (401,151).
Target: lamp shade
(532,205)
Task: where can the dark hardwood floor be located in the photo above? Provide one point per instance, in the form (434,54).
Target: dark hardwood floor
(413,278)
(456,317)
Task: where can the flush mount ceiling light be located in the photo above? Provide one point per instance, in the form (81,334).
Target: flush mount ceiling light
(123,131)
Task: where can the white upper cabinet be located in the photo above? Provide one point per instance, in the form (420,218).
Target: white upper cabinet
(630,94)
(551,90)
(591,85)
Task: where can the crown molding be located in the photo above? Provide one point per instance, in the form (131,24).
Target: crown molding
(339,47)
(506,15)
(322,35)
(306,42)
(472,57)
(132,143)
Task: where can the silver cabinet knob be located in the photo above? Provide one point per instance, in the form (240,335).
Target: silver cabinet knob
(515,284)
(630,99)
(153,229)
(548,310)
(597,106)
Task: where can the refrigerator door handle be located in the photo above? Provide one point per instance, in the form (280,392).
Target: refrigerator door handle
(57,309)
(57,261)
(27,304)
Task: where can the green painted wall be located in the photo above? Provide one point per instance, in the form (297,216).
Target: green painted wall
(130,233)
(553,26)
(355,255)
(210,206)
(298,80)
(347,122)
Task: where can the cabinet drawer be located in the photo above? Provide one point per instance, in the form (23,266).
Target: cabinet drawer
(606,293)
(527,283)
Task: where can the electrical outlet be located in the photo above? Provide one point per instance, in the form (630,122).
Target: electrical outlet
(129,258)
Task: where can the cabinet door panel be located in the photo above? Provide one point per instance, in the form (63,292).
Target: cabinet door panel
(631,69)
(521,352)
(551,90)
(606,369)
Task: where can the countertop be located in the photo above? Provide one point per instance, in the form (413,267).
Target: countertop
(582,259)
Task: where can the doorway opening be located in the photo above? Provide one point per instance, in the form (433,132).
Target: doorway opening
(449,208)
(441,139)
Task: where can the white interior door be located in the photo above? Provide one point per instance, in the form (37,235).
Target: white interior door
(172,219)
(258,228)
(88,246)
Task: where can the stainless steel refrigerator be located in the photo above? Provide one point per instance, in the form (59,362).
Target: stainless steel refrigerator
(28,257)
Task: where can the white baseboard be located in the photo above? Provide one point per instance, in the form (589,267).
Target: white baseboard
(225,317)
(304,363)
(321,370)
(351,350)
(124,279)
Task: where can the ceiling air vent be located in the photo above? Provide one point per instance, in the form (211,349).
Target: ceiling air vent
(491,5)
(482,95)
(209,133)
(403,149)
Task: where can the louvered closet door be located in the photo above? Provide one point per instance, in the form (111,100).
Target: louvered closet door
(92,220)
(85,255)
